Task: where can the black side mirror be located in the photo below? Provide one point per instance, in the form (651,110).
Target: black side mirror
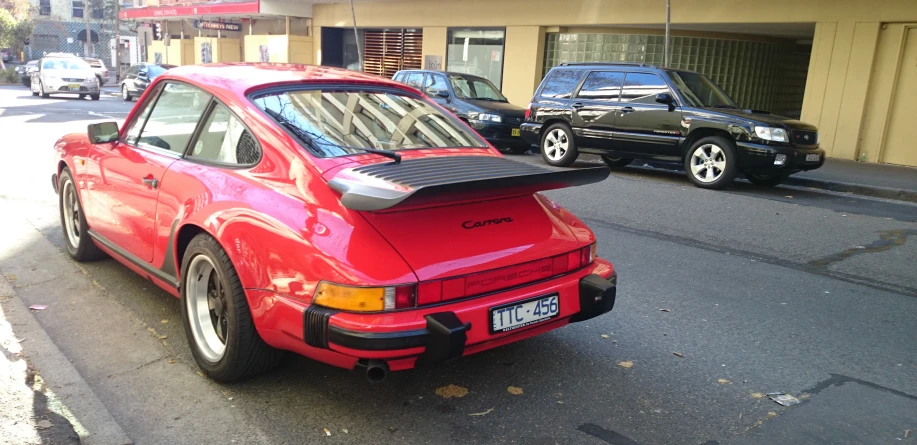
(666,98)
(103,132)
(443,94)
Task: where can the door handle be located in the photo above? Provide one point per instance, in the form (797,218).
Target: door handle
(577,105)
(626,110)
(151,182)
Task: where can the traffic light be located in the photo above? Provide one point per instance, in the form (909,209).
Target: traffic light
(157,31)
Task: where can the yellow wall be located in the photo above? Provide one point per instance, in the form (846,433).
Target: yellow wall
(434,42)
(282,49)
(523,61)
(223,49)
(301,49)
(179,52)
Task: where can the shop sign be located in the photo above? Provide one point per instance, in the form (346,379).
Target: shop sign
(219,26)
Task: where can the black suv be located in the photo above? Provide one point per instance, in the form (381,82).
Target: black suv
(633,111)
(474,100)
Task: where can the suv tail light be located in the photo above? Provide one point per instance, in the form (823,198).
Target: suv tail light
(528,112)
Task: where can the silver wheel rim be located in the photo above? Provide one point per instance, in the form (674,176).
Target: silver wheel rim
(708,162)
(556,144)
(71,214)
(207,310)
(123,92)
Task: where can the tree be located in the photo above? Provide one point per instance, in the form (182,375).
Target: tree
(15,24)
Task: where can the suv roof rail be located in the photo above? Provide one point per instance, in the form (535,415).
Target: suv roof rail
(608,64)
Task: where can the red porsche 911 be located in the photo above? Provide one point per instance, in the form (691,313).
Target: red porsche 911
(338,215)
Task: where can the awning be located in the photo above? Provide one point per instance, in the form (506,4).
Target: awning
(81,36)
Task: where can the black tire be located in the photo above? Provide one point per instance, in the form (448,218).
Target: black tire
(616,162)
(519,150)
(34,93)
(766,180)
(563,135)
(26,83)
(82,96)
(95,96)
(246,354)
(125,94)
(85,249)
(41,90)
(723,165)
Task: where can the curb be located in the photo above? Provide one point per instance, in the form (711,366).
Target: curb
(90,418)
(857,189)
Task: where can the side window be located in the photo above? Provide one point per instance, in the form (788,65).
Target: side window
(642,88)
(224,139)
(414,79)
(132,70)
(602,85)
(435,84)
(398,77)
(47,65)
(174,117)
(133,132)
(561,83)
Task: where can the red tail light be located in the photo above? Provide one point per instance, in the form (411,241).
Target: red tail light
(528,112)
(404,297)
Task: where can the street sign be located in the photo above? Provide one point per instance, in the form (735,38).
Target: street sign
(219,26)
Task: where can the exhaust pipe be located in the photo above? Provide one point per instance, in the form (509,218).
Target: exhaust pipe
(376,370)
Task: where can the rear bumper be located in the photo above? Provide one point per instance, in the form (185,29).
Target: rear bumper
(531,132)
(435,334)
(759,158)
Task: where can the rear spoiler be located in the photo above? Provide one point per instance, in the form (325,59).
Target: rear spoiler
(444,178)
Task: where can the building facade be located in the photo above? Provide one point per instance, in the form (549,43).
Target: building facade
(847,66)
(60,26)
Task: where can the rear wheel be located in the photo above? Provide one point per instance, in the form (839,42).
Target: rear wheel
(41,90)
(217,319)
(616,162)
(711,162)
(76,231)
(766,180)
(82,96)
(124,94)
(558,147)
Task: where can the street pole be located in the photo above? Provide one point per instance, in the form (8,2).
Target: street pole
(356,35)
(667,49)
(117,40)
(86,12)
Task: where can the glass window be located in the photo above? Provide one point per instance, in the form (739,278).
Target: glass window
(699,91)
(602,85)
(334,123)
(561,83)
(133,131)
(435,83)
(44,7)
(414,80)
(174,117)
(77,8)
(642,88)
(467,87)
(224,139)
(478,52)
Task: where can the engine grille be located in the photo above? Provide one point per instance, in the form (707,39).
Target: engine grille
(513,120)
(425,172)
(72,79)
(805,137)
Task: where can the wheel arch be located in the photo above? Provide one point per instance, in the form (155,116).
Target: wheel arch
(548,123)
(701,133)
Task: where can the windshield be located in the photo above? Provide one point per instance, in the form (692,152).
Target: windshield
(699,91)
(155,70)
(64,64)
(475,88)
(339,122)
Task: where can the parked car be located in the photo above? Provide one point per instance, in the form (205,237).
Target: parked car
(137,78)
(25,71)
(98,66)
(476,101)
(6,55)
(64,75)
(330,213)
(633,111)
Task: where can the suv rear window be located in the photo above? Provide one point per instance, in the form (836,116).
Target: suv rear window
(560,83)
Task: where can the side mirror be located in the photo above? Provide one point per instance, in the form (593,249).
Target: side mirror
(103,132)
(665,98)
(442,94)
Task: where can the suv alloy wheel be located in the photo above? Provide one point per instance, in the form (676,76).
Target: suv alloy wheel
(558,147)
(711,163)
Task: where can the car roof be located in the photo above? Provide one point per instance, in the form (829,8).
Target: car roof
(620,66)
(240,78)
(450,73)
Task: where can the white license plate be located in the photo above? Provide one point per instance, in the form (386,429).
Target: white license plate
(812,158)
(517,315)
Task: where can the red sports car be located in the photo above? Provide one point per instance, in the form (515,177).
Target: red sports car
(338,215)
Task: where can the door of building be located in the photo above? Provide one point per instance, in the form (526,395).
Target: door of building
(388,50)
(901,134)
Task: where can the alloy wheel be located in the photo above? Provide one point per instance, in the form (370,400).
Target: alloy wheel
(708,162)
(556,144)
(207,308)
(71,214)
(124,92)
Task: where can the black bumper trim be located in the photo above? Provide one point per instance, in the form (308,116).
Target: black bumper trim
(378,341)
(596,297)
(315,326)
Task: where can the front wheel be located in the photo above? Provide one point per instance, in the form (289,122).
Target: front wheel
(73,221)
(558,148)
(94,96)
(711,162)
(41,89)
(124,94)
(766,180)
(616,162)
(217,319)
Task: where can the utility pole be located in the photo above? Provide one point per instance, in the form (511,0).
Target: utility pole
(86,12)
(667,49)
(117,40)
(356,35)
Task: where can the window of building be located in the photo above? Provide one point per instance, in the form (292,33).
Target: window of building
(173,118)
(602,85)
(78,8)
(561,83)
(642,88)
(44,7)
(476,51)
(225,140)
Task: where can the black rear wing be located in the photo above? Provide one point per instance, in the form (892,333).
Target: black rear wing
(445,178)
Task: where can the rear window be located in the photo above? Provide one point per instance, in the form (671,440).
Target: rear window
(560,83)
(340,122)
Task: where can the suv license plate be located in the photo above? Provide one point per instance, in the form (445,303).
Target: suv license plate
(515,132)
(517,315)
(812,158)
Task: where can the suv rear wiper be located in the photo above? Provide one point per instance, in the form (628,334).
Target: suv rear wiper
(310,138)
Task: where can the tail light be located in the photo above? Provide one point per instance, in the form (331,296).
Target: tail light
(528,112)
(364,299)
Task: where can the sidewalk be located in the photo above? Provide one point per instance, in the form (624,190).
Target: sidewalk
(861,178)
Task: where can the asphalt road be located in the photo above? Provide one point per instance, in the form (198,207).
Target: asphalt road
(784,290)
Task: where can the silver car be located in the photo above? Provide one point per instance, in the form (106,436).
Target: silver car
(98,66)
(65,75)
